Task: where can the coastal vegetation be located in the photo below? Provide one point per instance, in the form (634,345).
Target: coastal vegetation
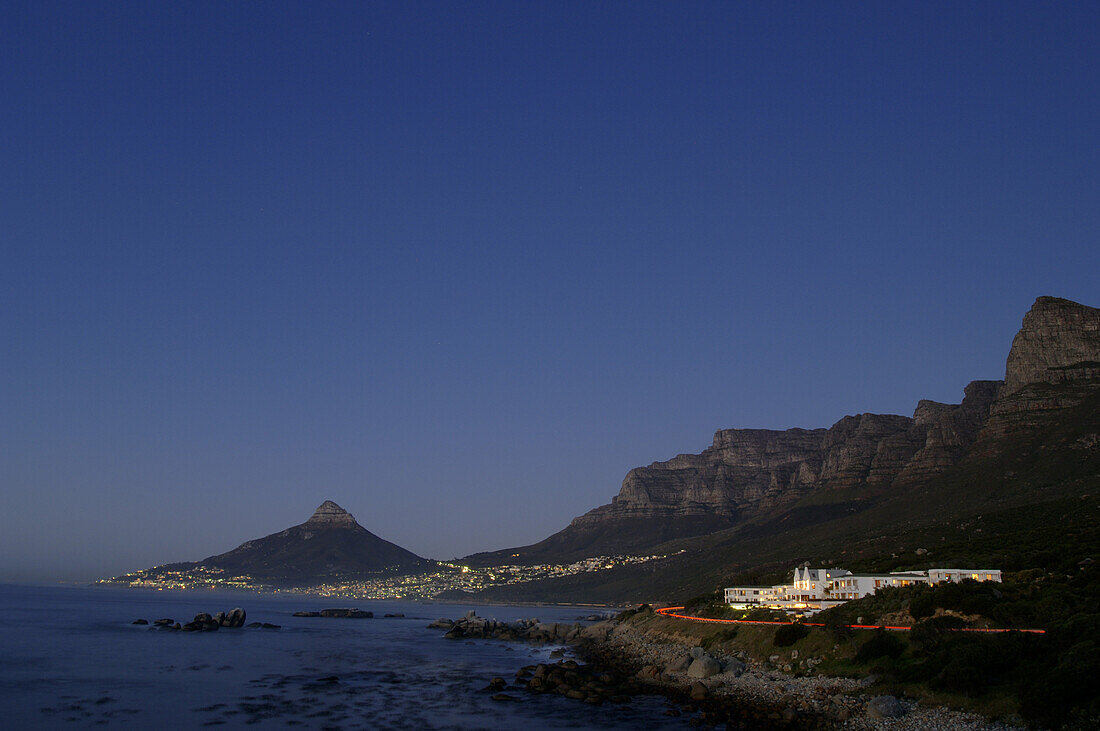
(1046,679)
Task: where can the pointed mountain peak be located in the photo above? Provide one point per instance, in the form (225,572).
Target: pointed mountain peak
(331,515)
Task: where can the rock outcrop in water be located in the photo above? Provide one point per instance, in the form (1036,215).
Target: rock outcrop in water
(338,613)
(203,622)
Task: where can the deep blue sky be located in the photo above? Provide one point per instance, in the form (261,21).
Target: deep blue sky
(459,266)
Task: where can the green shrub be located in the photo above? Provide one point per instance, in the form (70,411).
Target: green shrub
(1052,694)
(839,630)
(789,634)
(723,635)
(628,613)
(922,605)
(929,634)
(970,669)
(704,603)
(881,644)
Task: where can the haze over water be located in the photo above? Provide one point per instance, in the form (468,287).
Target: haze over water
(71,658)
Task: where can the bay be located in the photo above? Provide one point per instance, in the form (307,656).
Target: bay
(70,658)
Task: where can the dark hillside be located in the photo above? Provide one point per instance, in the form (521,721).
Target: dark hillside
(1031,501)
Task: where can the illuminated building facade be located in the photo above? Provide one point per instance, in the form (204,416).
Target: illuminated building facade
(815,589)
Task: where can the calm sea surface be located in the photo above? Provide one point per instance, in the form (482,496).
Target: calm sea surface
(70,658)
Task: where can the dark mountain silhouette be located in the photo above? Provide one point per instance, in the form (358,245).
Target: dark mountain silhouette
(1009,474)
(331,544)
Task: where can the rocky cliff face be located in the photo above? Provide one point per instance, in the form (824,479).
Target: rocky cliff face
(948,431)
(743,467)
(747,472)
(330,515)
(1054,364)
(1054,360)
(1059,341)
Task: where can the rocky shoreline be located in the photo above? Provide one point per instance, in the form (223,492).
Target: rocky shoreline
(614,662)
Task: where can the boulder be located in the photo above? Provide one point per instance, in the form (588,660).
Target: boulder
(736,667)
(235,618)
(885,706)
(140,621)
(442,623)
(697,652)
(550,629)
(596,632)
(704,667)
(698,691)
(269,625)
(679,666)
(163,622)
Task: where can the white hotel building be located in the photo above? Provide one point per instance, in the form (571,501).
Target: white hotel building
(816,589)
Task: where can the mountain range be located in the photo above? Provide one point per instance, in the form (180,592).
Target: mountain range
(1008,478)
(758,500)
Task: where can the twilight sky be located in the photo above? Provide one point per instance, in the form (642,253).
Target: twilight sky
(459,266)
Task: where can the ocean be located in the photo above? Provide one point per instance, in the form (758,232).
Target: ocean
(70,658)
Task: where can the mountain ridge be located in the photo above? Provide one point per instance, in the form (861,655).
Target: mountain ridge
(747,475)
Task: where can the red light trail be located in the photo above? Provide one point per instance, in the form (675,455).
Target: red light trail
(669,612)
